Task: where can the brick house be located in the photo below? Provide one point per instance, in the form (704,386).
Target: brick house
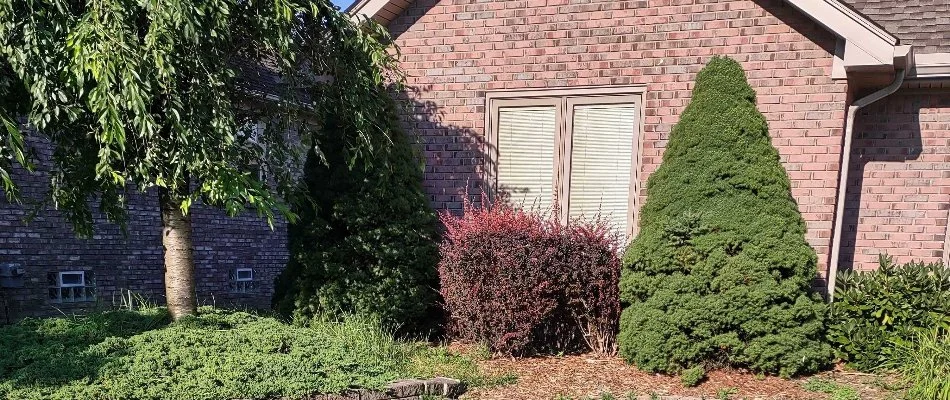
(236,259)
(515,95)
(530,97)
(46,270)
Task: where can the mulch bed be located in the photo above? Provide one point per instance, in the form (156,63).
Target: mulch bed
(577,376)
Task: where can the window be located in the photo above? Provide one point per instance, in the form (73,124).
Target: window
(242,280)
(574,151)
(71,286)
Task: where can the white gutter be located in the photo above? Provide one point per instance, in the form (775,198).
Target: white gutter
(843,178)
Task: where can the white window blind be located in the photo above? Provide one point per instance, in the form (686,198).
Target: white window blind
(526,140)
(602,151)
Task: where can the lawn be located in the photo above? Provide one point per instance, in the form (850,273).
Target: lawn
(217,355)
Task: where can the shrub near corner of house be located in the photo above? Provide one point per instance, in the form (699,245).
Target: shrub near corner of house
(523,283)
(367,239)
(875,311)
(720,273)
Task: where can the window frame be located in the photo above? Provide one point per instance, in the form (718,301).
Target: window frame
(87,287)
(564,100)
(237,274)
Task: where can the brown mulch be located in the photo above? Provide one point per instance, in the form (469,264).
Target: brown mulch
(544,378)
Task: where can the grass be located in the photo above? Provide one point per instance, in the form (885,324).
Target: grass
(837,391)
(140,355)
(602,396)
(439,361)
(924,364)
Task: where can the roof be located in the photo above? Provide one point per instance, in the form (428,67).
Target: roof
(924,24)
(878,36)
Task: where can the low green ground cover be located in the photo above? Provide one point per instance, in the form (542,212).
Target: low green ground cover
(217,355)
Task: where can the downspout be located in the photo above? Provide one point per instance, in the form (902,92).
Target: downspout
(843,178)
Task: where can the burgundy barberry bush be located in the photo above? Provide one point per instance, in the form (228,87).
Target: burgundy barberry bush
(523,283)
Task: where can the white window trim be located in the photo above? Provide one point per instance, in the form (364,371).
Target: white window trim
(82,277)
(564,99)
(237,275)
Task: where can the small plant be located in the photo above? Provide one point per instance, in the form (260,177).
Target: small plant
(837,391)
(654,396)
(874,311)
(524,283)
(819,385)
(726,393)
(692,376)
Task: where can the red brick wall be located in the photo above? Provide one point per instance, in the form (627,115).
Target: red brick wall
(899,183)
(456,50)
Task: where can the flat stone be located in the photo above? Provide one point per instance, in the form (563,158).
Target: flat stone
(447,387)
(406,388)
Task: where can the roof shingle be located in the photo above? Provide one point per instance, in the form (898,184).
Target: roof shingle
(924,24)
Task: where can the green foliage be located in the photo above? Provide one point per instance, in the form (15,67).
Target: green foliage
(13,149)
(874,310)
(923,361)
(720,272)
(439,361)
(692,376)
(161,95)
(837,392)
(726,393)
(367,243)
(218,355)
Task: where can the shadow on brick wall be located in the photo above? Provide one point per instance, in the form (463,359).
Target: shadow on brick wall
(454,155)
(887,136)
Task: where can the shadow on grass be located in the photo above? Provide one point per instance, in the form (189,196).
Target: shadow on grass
(50,352)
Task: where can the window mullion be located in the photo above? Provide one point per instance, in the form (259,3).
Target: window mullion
(564,160)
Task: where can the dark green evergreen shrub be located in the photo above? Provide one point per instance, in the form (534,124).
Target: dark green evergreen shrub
(720,272)
(874,311)
(367,240)
(692,376)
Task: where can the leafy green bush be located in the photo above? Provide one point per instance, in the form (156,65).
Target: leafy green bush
(366,241)
(217,355)
(720,272)
(875,310)
(923,361)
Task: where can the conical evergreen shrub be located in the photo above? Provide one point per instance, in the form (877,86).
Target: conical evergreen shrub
(367,240)
(720,272)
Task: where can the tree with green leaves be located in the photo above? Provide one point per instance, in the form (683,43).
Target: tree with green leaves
(12,145)
(164,95)
(720,272)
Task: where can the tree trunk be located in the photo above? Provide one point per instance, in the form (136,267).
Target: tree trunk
(179,260)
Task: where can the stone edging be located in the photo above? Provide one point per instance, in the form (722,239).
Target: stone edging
(409,389)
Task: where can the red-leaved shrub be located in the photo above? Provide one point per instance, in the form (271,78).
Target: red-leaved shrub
(524,283)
